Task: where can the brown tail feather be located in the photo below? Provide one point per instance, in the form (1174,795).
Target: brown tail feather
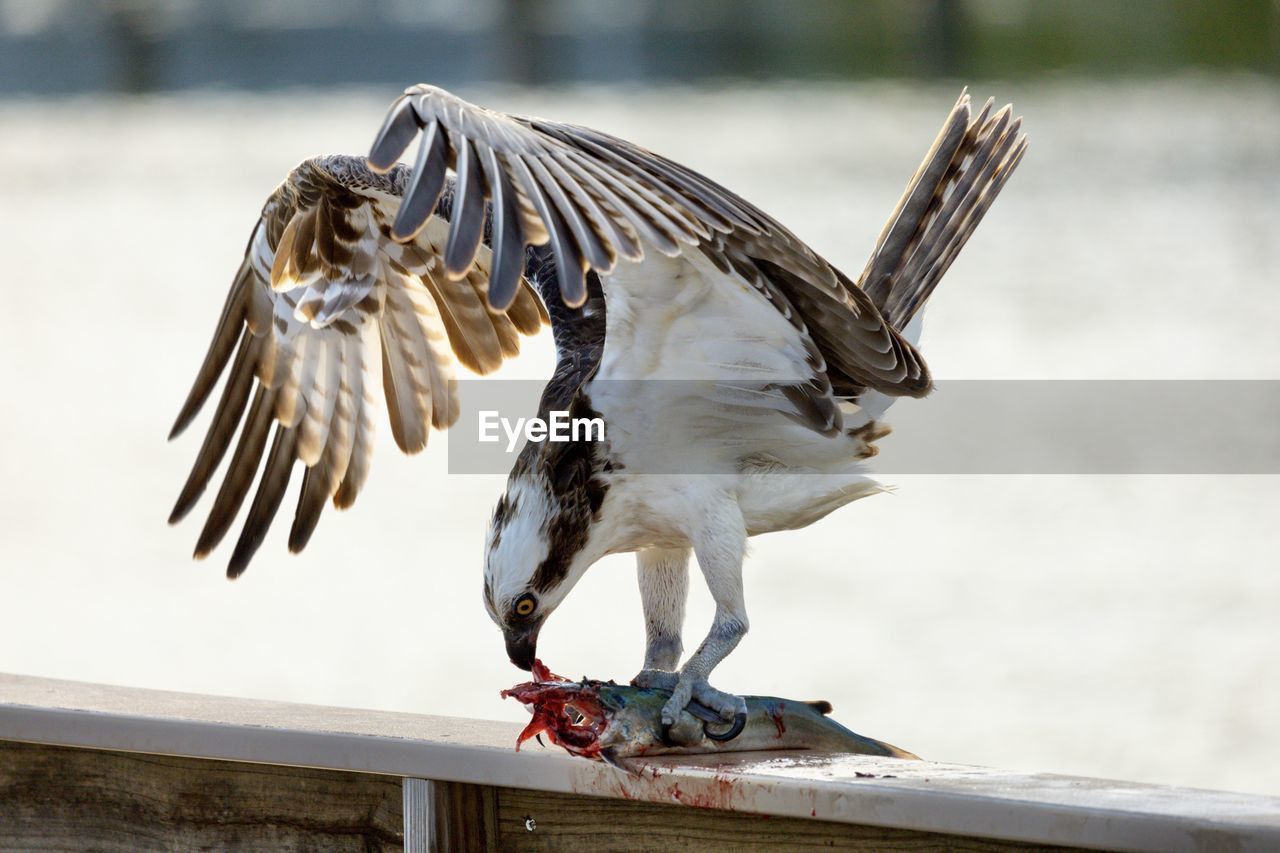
(960,177)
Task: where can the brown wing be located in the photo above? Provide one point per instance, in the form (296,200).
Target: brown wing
(326,314)
(595,199)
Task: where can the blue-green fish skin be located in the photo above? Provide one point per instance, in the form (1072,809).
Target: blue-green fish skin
(634,728)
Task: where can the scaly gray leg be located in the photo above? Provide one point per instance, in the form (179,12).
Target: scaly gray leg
(664,586)
(720,548)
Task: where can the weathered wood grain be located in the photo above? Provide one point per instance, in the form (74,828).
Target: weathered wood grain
(568,822)
(60,798)
(464,818)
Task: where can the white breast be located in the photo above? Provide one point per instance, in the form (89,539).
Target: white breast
(683,387)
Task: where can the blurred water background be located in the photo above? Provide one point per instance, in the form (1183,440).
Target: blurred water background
(1112,626)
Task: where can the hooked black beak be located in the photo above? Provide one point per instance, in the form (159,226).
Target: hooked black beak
(522,648)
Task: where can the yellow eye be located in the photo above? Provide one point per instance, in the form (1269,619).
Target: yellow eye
(525,605)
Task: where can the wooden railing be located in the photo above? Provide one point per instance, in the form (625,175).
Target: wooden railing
(114,768)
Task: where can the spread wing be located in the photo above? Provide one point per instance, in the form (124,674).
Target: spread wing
(357,278)
(327,315)
(596,199)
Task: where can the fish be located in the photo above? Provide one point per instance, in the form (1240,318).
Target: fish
(605,721)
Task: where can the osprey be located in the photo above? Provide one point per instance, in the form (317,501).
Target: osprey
(740,376)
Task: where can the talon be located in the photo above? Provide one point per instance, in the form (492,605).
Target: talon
(726,706)
(680,697)
(714,709)
(702,712)
(739,723)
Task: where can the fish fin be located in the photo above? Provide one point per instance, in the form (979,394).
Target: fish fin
(822,706)
(609,757)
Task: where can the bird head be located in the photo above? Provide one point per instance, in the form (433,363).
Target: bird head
(535,552)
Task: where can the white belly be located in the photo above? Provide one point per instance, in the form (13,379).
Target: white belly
(657,511)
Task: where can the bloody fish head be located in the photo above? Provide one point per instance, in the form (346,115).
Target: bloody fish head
(569,713)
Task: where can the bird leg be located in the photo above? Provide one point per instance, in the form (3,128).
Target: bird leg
(720,549)
(664,586)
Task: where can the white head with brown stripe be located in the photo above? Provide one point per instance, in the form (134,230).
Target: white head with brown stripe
(539,540)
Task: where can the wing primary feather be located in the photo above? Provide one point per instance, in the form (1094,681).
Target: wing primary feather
(266,502)
(295,374)
(408,402)
(367,376)
(235,397)
(467,228)
(705,199)
(712,203)
(397,131)
(322,398)
(321,480)
(503,326)
(571,274)
(594,251)
(239,476)
(685,224)
(224,340)
(428,181)
(508,234)
(468,323)
(629,212)
(346,411)
(621,238)
(527,311)
(311,500)
(645,215)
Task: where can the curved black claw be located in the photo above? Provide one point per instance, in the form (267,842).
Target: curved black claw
(702,712)
(739,723)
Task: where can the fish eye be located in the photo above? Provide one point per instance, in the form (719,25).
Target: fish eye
(525,605)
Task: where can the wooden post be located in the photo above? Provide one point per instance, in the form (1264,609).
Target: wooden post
(463,818)
(417,815)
